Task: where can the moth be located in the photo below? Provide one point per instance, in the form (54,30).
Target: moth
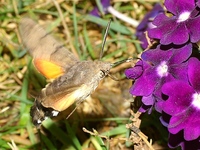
(73,80)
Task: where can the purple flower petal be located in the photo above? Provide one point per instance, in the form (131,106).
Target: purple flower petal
(148,100)
(194,29)
(160,19)
(178,6)
(180,94)
(194,73)
(165,28)
(178,36)
(155,56)
(137,70)
(187,121)
(179,71)
(183,54)
(143,86)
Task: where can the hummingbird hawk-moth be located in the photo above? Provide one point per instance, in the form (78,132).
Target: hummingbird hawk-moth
(73,80)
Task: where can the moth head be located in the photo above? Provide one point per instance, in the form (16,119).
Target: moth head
(103,68)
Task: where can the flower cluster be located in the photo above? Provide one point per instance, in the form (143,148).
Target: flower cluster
(167,76)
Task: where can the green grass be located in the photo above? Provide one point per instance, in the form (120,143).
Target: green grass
(20,82)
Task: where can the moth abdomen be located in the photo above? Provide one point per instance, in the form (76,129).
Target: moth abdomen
(40,113)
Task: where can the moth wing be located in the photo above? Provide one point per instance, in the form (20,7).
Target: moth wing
(45,50)
(65,98)
(49,69)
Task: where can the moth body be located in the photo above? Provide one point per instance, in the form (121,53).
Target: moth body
(74,86)
(73,80)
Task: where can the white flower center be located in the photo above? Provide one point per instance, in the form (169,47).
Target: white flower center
(183,16)
(162,69)
(196,100)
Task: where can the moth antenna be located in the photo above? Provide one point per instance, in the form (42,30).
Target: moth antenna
(104,39)
(121,61)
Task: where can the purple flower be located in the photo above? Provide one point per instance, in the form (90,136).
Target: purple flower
(181,27)
(146,23)
(105,4)
(156,68)
(183,104)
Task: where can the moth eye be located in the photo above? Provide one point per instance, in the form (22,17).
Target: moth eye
(102,74)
